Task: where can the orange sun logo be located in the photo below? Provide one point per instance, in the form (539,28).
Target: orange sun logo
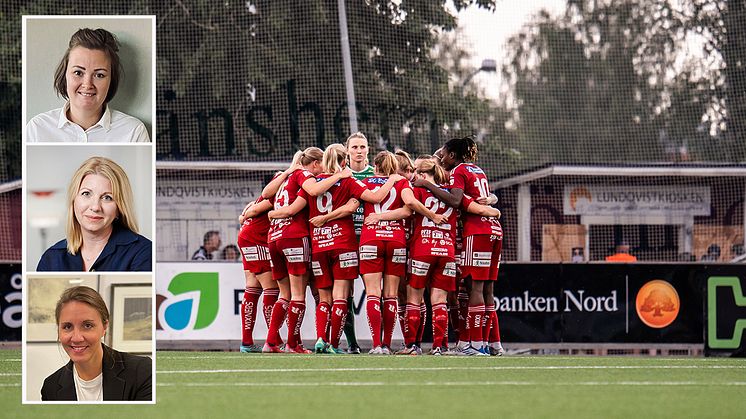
(657,304)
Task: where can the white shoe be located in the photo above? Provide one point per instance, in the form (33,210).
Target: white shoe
(469,351)
(376,351)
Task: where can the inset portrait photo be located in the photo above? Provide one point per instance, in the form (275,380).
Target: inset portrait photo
(88,78)
(89,208)
(88,338)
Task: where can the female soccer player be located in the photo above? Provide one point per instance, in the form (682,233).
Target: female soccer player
(252,242)
(383,252)
(334,259)
(357,154)
(289,244)
(482,235)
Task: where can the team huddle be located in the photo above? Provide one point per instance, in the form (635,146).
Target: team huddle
(404,226)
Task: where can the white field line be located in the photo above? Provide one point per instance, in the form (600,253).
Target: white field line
(483,368)
(10,385)
(457,383)
(9,374)
(257,357)
(11,360)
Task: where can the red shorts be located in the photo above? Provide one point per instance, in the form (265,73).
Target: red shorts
(331,265)
(481,257)
(436,271)
(383,256)
(289,256)
(255,257)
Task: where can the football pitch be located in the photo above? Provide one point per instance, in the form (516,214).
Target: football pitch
(235,385)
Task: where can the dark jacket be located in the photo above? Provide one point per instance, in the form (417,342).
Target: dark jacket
(125,378)
(125,251)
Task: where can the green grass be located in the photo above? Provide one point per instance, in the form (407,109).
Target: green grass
(233,385)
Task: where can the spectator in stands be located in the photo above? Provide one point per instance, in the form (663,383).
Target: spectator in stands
(230,253)
(736,250)
(101,232)
(621,254)
(210,243)
(712,255)
(88,77)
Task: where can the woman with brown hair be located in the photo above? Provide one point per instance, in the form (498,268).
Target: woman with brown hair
(95,372)
(88,77)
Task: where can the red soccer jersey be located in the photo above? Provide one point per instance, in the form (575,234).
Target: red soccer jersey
(255,230)
(384,230)
(472,180)
(297,225)
(338,234)
(430,239)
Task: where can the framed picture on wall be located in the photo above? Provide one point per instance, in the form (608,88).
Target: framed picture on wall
(131,325)
(43,293)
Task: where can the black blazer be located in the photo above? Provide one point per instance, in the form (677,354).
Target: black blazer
(125,378)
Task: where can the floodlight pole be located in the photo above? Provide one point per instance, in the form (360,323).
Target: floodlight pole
(489,65)
(344,39)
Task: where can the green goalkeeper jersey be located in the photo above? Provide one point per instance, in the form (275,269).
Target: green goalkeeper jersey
(357,216)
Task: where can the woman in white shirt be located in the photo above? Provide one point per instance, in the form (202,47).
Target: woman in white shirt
(88,77)
(95,371)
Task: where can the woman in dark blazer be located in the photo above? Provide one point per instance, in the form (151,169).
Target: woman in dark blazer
(95,371)
(101,228)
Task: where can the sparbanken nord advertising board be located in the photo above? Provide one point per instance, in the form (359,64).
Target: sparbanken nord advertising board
(601,303)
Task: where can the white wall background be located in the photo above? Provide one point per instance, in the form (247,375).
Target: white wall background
(50,168)
(46,41)
(43,358)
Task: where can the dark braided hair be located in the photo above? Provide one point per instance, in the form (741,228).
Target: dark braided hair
(465,148)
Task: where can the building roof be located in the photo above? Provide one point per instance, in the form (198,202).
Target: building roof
(671,170)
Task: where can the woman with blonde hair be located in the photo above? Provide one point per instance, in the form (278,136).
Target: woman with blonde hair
(334,259)
(383,251)
(101,228)
(289,244)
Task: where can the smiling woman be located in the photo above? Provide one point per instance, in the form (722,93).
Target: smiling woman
(95,372)
(101,228)
(87,77)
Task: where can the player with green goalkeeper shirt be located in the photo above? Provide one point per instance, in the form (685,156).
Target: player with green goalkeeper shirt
(357,151)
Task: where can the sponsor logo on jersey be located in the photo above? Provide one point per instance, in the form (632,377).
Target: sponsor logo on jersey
(474,169)
(376,180)
(437,251)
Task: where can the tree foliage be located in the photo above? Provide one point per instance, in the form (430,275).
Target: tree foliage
(611,81)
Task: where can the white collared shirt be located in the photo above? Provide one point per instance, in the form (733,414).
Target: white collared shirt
(113,127)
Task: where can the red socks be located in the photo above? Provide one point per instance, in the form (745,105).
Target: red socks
(476,315)
(463,316)
(322,321)
(390,311)
(279,311)
(494,335)
(296,311)
(413,324)
(269,300)
(440,325)
(423,320)
(339,315)
(248,314)
(373,309)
